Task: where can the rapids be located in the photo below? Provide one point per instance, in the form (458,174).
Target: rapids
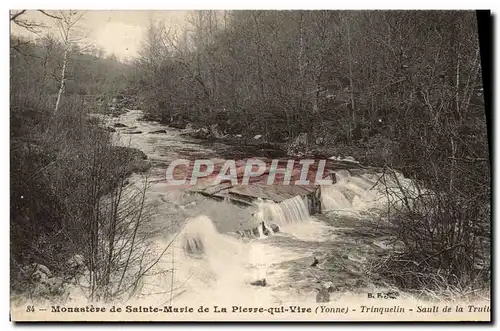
(207,262)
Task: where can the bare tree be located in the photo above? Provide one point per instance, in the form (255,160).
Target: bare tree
(66,27)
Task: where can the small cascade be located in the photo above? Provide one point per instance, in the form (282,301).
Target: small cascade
(351,194)
(294,210)
(265,230)
(365,193)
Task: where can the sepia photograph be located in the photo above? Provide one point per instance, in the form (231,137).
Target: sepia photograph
(250,165)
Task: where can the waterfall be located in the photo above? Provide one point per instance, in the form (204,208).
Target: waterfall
(366,193)
(289,211)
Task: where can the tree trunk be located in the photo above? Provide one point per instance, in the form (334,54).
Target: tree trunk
(63,78)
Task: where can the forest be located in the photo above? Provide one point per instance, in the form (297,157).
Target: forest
(399,89)
(402,89)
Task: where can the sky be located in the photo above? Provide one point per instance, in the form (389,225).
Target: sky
(117,32)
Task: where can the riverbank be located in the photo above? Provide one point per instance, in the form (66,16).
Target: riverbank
(374,151)
(60,178)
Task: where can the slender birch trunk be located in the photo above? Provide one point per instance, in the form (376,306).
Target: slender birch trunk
(63,77)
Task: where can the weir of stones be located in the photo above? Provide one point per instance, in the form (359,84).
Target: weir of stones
(277,204)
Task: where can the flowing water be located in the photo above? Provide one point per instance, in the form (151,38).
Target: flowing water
(211,263)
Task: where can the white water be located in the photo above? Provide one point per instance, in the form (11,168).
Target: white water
(212,266)
(290,211)
(366,194)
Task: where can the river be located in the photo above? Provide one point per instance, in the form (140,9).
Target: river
(223,272)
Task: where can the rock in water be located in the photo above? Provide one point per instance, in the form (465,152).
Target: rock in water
(158,131)
(275,227)
(119,125)
(255,232)
(315,262)
(259,282)
(110,129)
(265,231)
(132,132)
